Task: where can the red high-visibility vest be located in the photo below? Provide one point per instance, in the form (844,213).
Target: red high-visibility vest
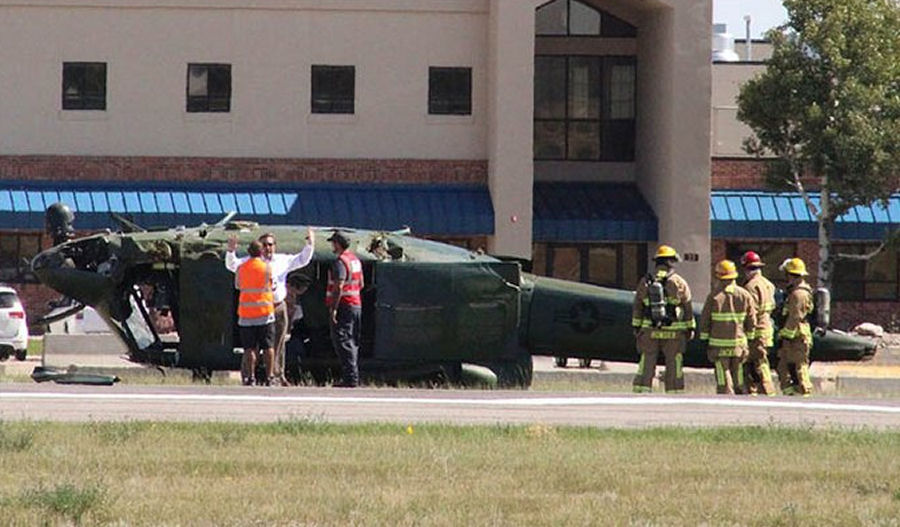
(257,301)
(350,292)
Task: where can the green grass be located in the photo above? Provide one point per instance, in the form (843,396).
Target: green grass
(67,501)
(307,471)
(35,347)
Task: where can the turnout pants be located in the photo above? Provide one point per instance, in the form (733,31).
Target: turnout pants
(650,348)
(729,366)
(345,338)
(757,373)
(793,367)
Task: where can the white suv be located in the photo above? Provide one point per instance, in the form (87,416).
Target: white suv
(13,325)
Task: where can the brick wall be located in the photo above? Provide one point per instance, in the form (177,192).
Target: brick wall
(743,174)
(738,174)
(166,169)
(35,298)
(808,251)
(846,315)
(717,251)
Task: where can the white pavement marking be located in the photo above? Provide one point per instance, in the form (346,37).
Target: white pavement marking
(474,402)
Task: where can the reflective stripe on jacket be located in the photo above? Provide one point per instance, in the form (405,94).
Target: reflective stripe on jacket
(256,303)
(678,295)
(350,291)
(763,292)
(729,315)
(796,312)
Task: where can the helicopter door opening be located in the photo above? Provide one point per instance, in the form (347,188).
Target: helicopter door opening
(315,314)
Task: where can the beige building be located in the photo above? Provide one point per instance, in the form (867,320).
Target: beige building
(554,111)
(728,133)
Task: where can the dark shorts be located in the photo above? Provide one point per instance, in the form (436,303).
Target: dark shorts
(258,337)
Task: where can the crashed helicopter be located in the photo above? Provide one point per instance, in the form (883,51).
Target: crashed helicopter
(431,311)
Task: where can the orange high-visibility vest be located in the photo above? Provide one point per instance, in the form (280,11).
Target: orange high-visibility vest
(350,292)
(257,301)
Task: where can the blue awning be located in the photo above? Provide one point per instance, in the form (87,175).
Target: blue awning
(591,212)
(440,210)
(759,214)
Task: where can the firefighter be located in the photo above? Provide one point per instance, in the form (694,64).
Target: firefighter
(757,373)
(729,315)
(795,333)
(663,322)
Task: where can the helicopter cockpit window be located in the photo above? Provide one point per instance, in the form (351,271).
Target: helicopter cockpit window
(384,250)
(138,324)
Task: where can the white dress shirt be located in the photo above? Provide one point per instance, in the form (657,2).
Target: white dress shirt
(297,315)
(281,265)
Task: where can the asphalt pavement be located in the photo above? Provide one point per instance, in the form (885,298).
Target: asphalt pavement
(405,406)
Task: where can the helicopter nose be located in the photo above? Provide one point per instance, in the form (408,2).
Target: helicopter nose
(49,266)
(869,351)
(56,269)
(50,259)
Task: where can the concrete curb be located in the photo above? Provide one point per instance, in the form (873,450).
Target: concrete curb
(693,379)
(705,380)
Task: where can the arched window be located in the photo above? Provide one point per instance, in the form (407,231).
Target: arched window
(561,18)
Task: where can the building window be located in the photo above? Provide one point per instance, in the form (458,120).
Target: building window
(618,265)
(16,252)
(772,254)
(564,18)
(333,89)
(449,91)
(84,86)
(584,108)
(865,280)
(209,88)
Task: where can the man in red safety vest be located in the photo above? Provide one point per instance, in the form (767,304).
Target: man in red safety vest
(345,282)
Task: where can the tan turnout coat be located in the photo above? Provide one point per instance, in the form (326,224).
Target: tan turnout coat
(678,294)
(763,292)
(729,315)
(797,308)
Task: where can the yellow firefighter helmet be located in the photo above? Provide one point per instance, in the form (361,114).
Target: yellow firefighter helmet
(726,270)
(794,266)
(664,251)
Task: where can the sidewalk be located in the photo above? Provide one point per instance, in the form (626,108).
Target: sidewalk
(880,376)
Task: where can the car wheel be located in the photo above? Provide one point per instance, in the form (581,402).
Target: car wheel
(561,362)
(21,354)
(584,363)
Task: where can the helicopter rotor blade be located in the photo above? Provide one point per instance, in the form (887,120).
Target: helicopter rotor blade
(228,217)
(127,225)
(50,319)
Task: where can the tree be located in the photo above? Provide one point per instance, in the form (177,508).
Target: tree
(827,107)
